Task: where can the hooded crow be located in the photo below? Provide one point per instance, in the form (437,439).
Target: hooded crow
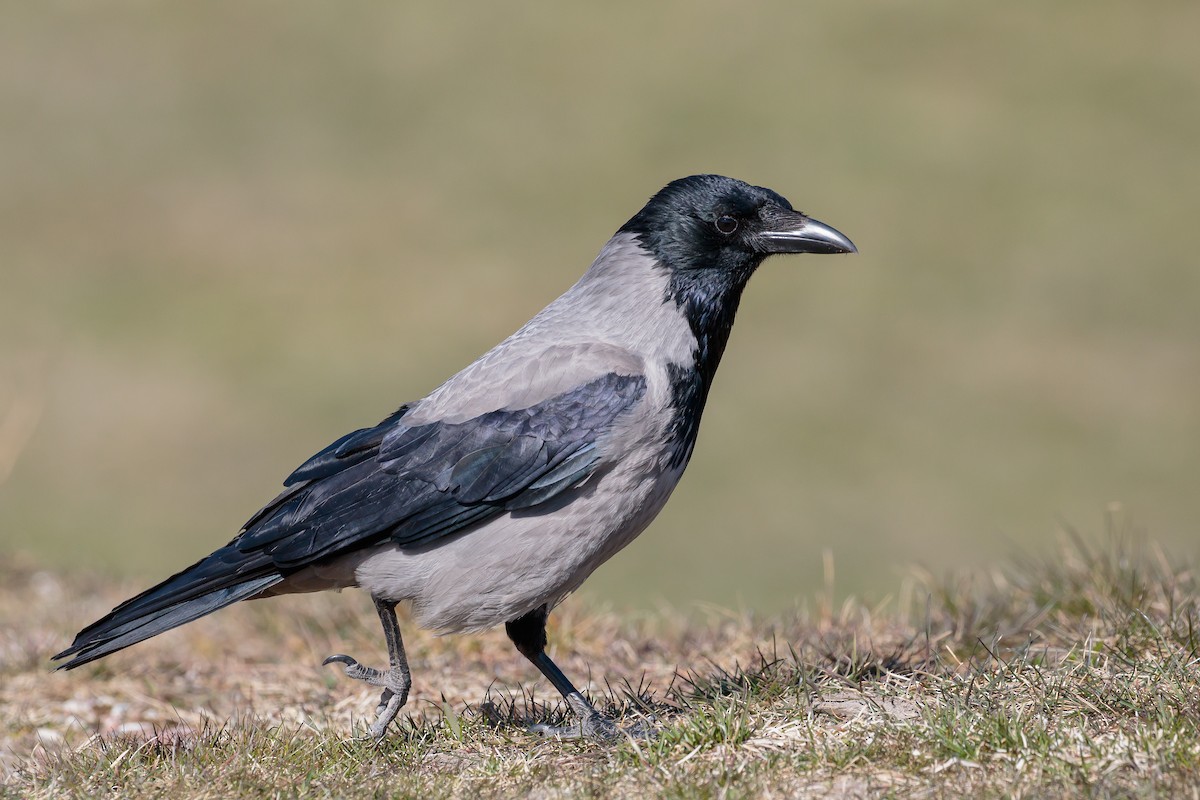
(494,497)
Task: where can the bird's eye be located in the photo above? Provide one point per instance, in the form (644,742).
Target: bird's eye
(726,224)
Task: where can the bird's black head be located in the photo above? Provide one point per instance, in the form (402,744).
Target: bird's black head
(710,233)
(721,229)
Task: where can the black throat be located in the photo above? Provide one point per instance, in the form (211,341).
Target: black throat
(709,302)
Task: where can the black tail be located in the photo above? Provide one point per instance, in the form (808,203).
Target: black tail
(216,581)
(243,568)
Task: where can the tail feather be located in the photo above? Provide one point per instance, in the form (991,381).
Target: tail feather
(210,584)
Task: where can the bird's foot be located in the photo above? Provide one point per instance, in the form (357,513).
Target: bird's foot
(395,682)
(591,725)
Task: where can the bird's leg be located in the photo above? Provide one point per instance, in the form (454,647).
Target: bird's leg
(528,633)
(396,681)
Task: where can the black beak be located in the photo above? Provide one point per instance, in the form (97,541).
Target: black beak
(792,232)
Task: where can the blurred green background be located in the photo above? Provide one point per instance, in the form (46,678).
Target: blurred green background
(230,232)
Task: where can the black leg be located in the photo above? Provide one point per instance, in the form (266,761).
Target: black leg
(396,681)
(528,633)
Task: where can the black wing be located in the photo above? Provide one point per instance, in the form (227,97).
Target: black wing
(417,484)
(410,484)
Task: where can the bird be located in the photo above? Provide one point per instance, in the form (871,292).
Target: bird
(495,496)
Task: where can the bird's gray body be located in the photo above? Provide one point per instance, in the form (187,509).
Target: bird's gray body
(523,559)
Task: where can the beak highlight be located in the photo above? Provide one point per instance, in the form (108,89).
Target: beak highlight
(796,233)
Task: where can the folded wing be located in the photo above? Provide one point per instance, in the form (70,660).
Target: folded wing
(409,484)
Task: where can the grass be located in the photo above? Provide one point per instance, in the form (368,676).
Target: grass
(1076,675)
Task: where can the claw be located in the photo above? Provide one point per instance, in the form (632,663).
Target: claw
(357,671)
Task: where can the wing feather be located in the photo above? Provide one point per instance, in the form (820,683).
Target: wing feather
(411,484)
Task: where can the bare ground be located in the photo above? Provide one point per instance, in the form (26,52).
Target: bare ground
(1072,676)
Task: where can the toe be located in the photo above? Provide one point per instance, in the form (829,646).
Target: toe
(557,731)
